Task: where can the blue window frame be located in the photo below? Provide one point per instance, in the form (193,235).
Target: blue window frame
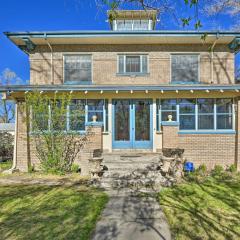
(78,113)
(187,114)
(203,114)
(224,114)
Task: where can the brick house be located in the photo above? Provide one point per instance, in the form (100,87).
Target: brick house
(148,89)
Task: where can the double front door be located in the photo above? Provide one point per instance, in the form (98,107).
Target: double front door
(132,123)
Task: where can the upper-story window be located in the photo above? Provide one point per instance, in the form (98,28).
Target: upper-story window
(78,69)
(185,68)
(136,64)
(129,25)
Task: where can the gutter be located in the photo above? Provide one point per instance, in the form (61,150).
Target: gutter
(107,88)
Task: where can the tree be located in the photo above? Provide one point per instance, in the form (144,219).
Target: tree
(7,108)
(184,12)
(57,145)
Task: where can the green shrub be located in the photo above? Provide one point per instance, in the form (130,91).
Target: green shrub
(217,170)
(6,146)
(199,175)
(232,168)
(75,168)
(202,170)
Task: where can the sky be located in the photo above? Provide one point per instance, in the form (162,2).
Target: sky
(50,15)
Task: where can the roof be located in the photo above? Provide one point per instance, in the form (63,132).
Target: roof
(132,14)
(21,39)
(7,126)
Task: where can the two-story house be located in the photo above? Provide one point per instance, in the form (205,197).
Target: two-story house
(148,89)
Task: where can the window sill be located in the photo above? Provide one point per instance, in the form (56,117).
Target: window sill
(133,74)
(172,123)
(77,82)
(184,83)
(209,132)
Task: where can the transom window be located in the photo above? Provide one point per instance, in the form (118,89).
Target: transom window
(184,68)
(132,64)
(77,68)
(197,114)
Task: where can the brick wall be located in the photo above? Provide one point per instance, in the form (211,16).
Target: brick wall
(209,149)
(170,136)
(105,63)
(26,147)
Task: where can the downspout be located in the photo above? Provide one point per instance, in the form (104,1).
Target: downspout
(50,47)
(212,48)
(15,138)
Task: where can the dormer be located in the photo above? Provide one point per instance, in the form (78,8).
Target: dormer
(132,20)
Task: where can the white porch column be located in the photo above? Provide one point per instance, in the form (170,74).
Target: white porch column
(154,112)
(110,123)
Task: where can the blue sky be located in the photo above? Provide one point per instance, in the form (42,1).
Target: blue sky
(45,15)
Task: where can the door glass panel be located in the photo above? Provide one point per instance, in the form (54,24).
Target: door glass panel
(142,120)
(122,120)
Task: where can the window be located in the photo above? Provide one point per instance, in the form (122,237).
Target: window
(184,68)
(169,107)
(187,114)
(76,115)
(73,117)
(136,64)
(77,69)
(224,114)
(95,108)
(205,114)
(129,25)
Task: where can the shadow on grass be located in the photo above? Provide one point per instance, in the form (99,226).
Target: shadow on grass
(49,212)
(208,210)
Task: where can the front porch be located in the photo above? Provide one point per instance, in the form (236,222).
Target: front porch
(133,119)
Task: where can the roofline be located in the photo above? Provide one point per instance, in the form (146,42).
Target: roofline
(107,33)
(107,88)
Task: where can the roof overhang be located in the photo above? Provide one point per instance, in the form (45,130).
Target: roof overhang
(21,39)
(109,88)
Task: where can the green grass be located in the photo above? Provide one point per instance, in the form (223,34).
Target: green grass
(207,210)
(47,212)
(5,165)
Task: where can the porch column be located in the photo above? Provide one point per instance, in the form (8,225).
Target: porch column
(237,126)
(154,124)
(110,123)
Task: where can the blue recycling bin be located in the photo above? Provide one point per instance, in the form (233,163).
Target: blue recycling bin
(189,167)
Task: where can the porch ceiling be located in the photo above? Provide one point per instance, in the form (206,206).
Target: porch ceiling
(109,88)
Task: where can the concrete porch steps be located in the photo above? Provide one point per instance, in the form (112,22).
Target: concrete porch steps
(122,166)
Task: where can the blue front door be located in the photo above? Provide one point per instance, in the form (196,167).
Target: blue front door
(132,123)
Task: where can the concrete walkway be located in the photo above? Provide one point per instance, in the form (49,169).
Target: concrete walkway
(129,217)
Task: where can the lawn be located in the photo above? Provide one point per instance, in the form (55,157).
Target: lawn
(207,210)
(49,212)
(5,165)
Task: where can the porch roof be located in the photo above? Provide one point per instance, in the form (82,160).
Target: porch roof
(120,88)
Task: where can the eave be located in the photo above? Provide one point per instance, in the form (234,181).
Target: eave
(120,88)
(121,37)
